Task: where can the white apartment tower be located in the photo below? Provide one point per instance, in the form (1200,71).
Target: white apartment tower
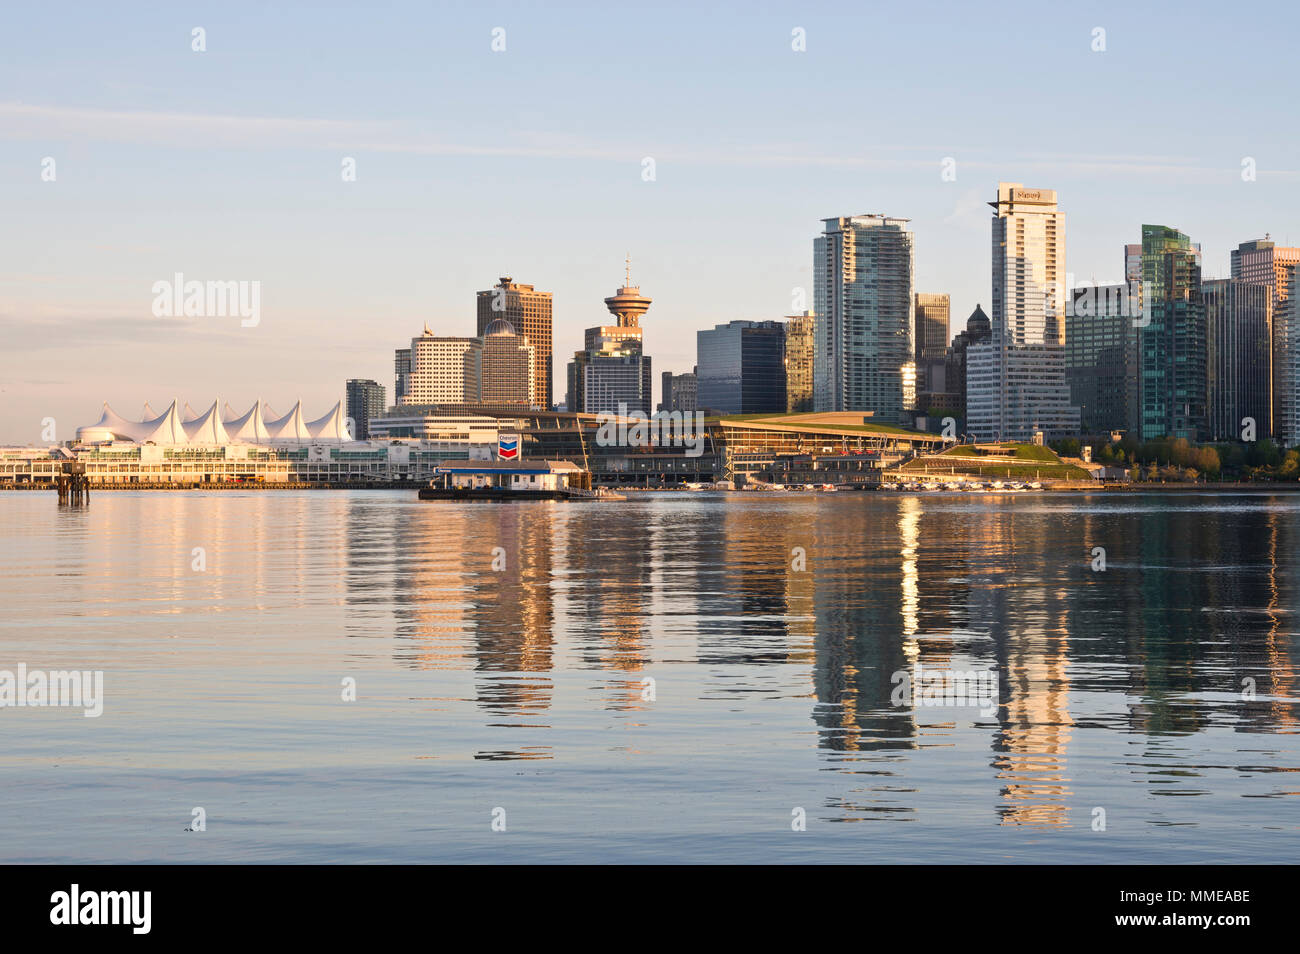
(1015,381)
(864,306)
(440,370)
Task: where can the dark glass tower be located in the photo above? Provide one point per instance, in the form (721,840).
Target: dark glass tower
(1173,340)
(741,367)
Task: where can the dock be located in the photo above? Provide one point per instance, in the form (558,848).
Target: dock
(513,480)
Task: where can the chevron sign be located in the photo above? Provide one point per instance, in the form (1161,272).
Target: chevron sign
(508,447)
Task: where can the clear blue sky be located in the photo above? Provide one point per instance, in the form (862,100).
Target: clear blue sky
(471,164)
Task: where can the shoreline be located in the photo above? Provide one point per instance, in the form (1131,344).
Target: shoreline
(1072,487)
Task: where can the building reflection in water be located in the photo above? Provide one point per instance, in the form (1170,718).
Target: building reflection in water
(608,593)
(751,594)
(866,593)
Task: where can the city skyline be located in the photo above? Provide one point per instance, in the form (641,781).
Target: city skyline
(225,166)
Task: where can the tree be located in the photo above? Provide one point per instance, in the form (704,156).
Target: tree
(1290,468)
(1206,460)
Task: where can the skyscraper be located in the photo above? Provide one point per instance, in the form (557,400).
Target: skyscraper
(679,392)
(612,370)
(1261,262)
(506,367)
(1172,387)
(439,370)
(529,312)
(365,399)
(930,340)
(862,290)
(799,344)
(978,328)
(1101,358)
(401,374)
(1133,263)
(741,367)
(1286,329)
(1238,319)
(930,335)
(1015,382)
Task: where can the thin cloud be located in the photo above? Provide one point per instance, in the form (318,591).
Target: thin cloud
(206,131)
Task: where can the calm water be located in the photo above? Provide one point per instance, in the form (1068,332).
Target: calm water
(525,688)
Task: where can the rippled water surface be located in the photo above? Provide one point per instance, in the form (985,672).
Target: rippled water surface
(667,679)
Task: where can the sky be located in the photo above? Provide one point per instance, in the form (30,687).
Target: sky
(471,163)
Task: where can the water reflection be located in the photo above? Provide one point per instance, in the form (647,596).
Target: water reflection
(841,595)
(688,663)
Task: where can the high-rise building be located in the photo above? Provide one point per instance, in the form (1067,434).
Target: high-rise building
(439,370)
(529,313)
(1286,359)
(1172,342)
(1239,321)
(612,372)
(612,378)
(1015,381)
(1133,263)
(401,374)
(679,392)
(506,369)
(741,367)
(930,337)
(978,328)
(1101,358)
(497,368)
(1262,262)
(800,334)
(365,399)
(862,290)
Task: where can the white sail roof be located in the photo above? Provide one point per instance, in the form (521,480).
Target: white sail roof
(206,429)
(258,425)
(251,427)
(331,427)
(289,427)
(166,428)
